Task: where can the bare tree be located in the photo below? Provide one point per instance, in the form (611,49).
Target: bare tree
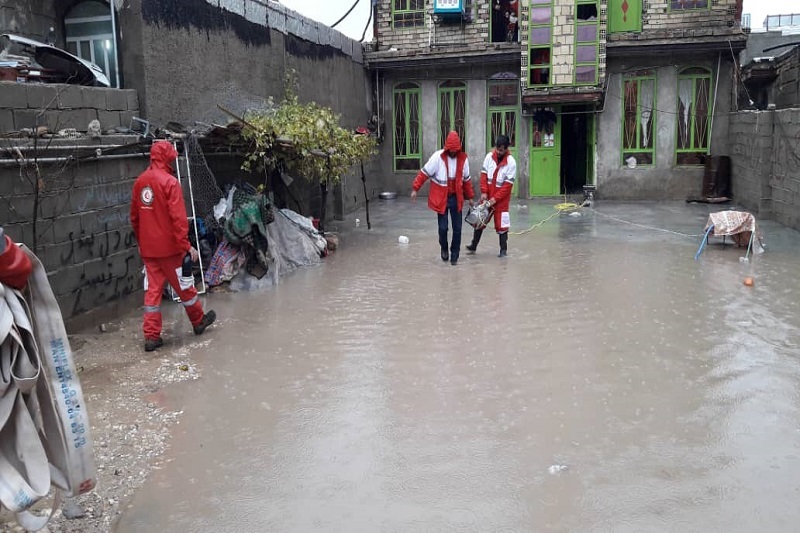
(44,177)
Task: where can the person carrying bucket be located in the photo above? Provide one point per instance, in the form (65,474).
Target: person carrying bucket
(497,181)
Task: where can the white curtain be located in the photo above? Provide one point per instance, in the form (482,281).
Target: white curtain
(685,96)
(646,101)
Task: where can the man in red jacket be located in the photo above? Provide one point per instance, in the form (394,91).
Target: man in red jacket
(15,266)
(448,171)
(158,217)
(497,181)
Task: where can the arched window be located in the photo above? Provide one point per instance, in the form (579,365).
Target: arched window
(503,106)
(89,35)
(694,115)
(453,110)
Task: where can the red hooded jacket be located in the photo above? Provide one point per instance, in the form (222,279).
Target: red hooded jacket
(497,179)
(15,266)
(158,213)
(437,171)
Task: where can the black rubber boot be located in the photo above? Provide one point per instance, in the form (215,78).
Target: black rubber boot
(476,238)
(208,319)
(443,245)
(503,244)
(151,345)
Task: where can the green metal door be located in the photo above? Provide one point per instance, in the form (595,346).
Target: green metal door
(545,160)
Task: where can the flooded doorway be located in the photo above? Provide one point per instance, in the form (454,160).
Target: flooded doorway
(577,149)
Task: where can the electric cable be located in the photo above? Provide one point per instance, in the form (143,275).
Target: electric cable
(345,15)
(369,21)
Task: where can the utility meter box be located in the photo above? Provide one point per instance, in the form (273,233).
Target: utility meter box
(448,7)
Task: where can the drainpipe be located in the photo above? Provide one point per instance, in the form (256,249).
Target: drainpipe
(714,105)
(113,3)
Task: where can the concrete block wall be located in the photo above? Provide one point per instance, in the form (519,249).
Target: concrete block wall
(473,31)
(765,153)
(84,237)
(785,178)
(30,18)
(750,147)
(660,22)
(786,88)
(28,105)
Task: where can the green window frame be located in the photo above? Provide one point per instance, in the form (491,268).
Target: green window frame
(540,43)
(408,14)
(452,110)
(689,5)
(587,42)
(502,112)
(406,98)
(693,124)
(639,116)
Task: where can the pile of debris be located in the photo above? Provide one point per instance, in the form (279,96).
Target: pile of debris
(247,236)
(239,233)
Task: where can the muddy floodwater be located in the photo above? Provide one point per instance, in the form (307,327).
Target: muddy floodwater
(597,379)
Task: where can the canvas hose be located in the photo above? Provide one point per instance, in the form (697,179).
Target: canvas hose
(44,427)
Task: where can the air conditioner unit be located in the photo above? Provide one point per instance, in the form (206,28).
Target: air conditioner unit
(449,7)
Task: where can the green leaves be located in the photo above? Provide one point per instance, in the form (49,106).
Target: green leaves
(306,139)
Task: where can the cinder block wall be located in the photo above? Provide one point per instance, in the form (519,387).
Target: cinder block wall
(30,18)
(84,237)
(27,105)
(765,153)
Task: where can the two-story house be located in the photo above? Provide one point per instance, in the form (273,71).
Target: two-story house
(625,95)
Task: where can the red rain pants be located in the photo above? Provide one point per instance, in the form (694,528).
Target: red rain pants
(160,270)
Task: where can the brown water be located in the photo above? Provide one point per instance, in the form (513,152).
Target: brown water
(388,391)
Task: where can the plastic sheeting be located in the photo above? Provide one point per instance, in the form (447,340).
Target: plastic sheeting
(293,243)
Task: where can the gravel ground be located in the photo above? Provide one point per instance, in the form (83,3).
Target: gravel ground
(130,417)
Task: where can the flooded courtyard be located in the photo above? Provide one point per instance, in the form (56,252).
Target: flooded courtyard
(597,379)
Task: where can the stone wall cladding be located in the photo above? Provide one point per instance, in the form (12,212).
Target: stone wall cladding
(660,22)
(474,30)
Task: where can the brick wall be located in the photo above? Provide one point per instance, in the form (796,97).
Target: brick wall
(659,22)
(84,238)
(27,105)
(765,153)
(474,30)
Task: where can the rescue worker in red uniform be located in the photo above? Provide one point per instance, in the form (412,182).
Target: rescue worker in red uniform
(158,217)
(15,266)
(497,181)
(448,170)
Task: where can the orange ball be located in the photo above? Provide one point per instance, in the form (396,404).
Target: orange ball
(749,282)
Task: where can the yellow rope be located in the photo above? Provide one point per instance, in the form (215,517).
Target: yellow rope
(560,208)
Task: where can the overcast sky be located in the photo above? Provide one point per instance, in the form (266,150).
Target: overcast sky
(329,11)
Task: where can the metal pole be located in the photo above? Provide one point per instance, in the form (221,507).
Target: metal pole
(714,105)
(112,3)
(194,214)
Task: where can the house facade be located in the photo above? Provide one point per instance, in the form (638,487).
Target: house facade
(628,96)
